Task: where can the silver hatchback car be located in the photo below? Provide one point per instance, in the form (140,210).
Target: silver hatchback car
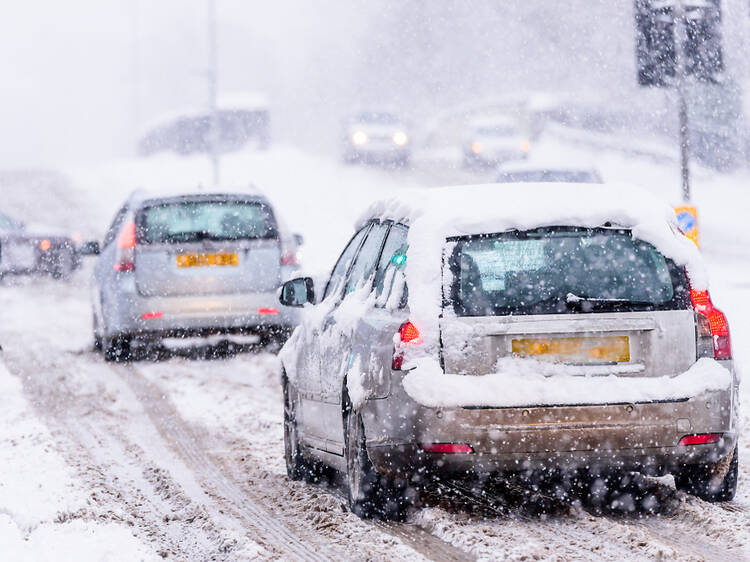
(191,264)
(448,339)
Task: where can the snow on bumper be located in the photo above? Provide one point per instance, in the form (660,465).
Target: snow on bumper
(429,386)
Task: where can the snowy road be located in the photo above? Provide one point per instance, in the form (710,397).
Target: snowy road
(187,455)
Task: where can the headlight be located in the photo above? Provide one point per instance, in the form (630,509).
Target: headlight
(400,138)
(525,146)
(360,137)
(476,147)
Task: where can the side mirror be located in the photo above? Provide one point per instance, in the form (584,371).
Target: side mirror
(89,248)
(297,292)
(298,239)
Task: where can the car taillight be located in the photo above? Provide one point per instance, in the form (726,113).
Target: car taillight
(446,448)
(125,256)
(712,338)
(289,258)
(408,334)
(701,439)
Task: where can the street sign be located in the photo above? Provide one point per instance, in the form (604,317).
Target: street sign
(655,48)
(687,219)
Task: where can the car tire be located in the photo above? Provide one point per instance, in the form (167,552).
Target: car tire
(117,349)
(370,493)
(712,481)
(297,467)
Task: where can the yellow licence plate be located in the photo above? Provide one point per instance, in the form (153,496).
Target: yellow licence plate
(202,260)
(608,349)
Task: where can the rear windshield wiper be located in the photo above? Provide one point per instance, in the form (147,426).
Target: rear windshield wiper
(195,235)
(572,300)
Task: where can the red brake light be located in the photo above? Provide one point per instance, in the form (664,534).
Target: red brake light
(268,311)
(124,260)
(701,439)
(446,448)
(717,323)
(152,315)
(289,258)
(127,236)
(408,332)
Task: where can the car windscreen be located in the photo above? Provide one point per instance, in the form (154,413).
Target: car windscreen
(561,270)
(192,221)
(565,176)
(497,131)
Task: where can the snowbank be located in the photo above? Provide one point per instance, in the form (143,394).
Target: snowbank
(522,383)
(437,214)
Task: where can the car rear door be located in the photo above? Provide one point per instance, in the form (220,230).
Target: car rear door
(339,327)
(206,246)
(310,418)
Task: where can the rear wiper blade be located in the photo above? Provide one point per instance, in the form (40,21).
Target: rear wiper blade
(573,299)
(191,235)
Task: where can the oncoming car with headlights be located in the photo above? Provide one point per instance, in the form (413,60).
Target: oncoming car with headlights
(375,137)
(182,264)
(490,141)
(466,332)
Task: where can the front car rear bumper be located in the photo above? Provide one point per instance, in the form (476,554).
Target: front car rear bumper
(640,437)
(128,313)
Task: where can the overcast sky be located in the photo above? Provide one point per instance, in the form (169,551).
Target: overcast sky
(81,77)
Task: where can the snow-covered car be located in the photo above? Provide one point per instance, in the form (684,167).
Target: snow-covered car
(527,172)
(490,141)
(184,264)
(464,331)
(375,136)
(28,250)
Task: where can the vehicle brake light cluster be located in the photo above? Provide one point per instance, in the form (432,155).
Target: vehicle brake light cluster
(125,257)
(712,328)
(446,448)
(701,439)
(408,335)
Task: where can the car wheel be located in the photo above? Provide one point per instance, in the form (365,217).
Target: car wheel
(297,467)
(370,494)
(117,349)
(64,265)
(711,481)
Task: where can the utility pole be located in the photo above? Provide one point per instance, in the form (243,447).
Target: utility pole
(680,39)
(212,91)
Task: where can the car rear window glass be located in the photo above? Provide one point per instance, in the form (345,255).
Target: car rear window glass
(192,221)
(561,270)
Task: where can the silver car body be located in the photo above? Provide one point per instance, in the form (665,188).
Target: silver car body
(156,298)
(344,351)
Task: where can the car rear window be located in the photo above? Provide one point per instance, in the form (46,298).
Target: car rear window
(561,271)
(192,221)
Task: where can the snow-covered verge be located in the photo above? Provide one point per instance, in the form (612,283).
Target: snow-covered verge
(38,492)
(521,382)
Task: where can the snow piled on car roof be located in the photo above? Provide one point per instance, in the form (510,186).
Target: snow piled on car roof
(437,214)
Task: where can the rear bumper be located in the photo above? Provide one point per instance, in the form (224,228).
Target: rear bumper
(129,313)
(640,437)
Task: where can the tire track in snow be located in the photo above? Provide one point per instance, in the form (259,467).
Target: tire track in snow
(171,426)
(111,465)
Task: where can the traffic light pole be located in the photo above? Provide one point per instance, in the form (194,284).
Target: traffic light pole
(680,39)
